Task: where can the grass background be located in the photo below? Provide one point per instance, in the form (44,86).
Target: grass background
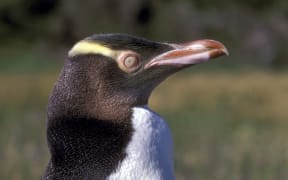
(226,124)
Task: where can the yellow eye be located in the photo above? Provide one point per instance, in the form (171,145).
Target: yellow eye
(129,62)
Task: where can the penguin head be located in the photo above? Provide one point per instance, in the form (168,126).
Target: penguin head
(122,70)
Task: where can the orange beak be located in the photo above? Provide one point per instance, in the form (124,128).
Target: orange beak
(190,53)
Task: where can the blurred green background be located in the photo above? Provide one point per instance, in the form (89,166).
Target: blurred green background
(229,117)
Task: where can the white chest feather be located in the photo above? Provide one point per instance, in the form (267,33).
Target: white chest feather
(150,150)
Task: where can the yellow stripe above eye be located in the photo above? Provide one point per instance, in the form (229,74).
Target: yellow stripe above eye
(89,47)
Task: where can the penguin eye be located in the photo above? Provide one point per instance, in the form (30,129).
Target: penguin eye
(130,62)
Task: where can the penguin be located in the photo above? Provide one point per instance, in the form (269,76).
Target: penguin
(99,125)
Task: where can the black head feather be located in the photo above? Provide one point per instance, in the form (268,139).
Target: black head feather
(128,42)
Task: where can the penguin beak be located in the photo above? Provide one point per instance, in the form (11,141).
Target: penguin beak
(186,54)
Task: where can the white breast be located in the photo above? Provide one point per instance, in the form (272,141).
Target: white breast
(150,150)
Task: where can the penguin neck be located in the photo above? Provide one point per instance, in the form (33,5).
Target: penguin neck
(84,141)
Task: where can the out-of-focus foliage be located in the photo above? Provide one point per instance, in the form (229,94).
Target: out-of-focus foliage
(255,31)
(257,5)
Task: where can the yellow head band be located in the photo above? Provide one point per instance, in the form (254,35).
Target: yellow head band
(89,47)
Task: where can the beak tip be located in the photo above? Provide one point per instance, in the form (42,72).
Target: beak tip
(225,51)
(218,52)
